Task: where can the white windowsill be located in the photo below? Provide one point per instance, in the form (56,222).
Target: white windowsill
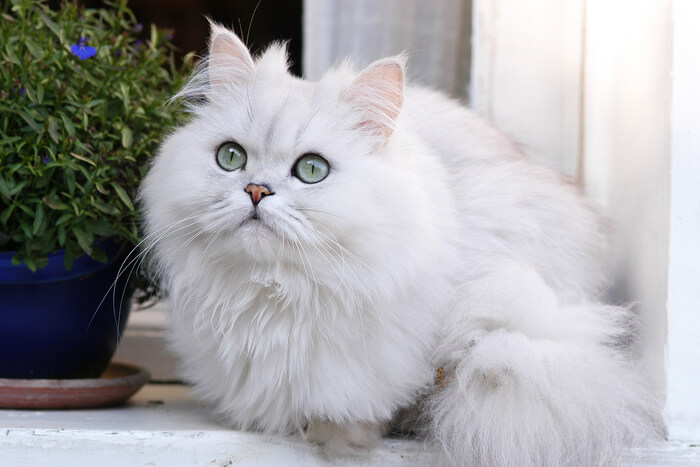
(163,426)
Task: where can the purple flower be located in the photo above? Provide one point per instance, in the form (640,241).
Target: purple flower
(22,91)
(45,160)
(82,50)
(138,28)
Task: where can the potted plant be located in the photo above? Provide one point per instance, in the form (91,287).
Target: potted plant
(81,111)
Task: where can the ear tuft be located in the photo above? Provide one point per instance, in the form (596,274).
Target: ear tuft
(377,93)
(230,63)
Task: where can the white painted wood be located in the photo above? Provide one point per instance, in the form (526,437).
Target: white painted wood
(526,75)
(626,148)
(683,350)
(163,426)
(435,34)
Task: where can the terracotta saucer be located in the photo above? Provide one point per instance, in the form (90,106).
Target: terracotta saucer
(118,383)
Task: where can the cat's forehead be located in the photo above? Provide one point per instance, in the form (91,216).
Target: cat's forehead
(279,115)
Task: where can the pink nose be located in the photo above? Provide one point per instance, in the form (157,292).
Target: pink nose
(257,192)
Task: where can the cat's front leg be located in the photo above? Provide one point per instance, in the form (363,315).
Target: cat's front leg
(346,438)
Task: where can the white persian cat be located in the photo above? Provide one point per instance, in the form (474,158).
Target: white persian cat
(348,254)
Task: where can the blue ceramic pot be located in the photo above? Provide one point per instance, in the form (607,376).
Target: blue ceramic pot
(52,324)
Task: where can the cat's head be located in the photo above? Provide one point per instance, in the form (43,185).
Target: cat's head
(274,168)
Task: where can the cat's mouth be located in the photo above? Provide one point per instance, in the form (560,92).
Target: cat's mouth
(255,220)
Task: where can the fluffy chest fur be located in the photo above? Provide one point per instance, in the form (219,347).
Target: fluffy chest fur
(276,350)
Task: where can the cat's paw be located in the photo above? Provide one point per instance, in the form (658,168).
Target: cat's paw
(349,438)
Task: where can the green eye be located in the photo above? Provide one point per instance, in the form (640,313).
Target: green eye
(311,168)
(231,156)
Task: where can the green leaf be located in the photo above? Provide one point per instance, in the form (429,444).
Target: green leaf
(64,217)
(40,91)
(30,263)
(69,179)
(18,187)
(154,37)
(84,240)
(25,116)
(123,196)
(125,96)
(6,213)
(100,227)
(69,258)
(76,208)
(38,219)
(42,262)
(26,209)
(9,140)
(61,236)
(10,57)
(54,203)
(101,189)
(4,188)
(25,228)
(127,137)
(31,94)
(50,24)
(111,210)
(68,125)
(99,254)
(33,48)
(53,129)
(94,103)
(84,159)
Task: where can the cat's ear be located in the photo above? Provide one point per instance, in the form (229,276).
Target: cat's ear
(377,94)
(230,64)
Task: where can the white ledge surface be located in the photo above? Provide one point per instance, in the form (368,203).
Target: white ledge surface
(163,426)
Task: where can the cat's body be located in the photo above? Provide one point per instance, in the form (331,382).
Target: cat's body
(432,243)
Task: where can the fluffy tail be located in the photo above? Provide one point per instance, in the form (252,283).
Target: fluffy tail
(530,382)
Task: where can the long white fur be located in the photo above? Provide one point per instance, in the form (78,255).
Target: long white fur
(433,242)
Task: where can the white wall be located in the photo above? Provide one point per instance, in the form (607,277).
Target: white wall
(434,33)
(526,75)
(683,352)
(626,147)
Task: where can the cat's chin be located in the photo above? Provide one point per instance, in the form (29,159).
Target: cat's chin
(254,224)
(260,238)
